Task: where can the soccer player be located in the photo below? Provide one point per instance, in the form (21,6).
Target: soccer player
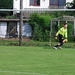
(61,35)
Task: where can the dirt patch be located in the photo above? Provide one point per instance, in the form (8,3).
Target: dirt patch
(25,39)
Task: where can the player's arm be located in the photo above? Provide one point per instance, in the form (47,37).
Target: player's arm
(56,34)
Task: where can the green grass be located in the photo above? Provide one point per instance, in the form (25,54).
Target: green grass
(15,60)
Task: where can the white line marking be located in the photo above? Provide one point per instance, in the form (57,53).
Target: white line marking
(21,72)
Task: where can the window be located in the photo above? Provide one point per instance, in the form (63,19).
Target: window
(58,2)
(53,2)
(62,2)
(12,29)
(35,2)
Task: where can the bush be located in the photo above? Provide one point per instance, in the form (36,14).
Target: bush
(70,32)
(10,17)
(41,26)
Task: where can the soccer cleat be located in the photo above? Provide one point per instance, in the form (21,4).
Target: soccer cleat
(55,48)
(60,48)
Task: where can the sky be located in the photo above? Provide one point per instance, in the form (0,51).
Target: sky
(69,0)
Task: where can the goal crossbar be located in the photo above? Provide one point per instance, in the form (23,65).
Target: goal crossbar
(38,9)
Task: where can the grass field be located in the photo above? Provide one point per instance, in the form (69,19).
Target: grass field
(15,60)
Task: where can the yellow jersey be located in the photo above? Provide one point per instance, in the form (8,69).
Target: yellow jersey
(63,32)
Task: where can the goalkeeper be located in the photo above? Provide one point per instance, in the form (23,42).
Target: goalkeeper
(61,35)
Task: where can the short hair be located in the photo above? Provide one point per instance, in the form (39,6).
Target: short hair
(65,23)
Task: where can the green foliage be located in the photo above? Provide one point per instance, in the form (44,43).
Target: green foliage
(10,17)
(41,26)
(71,5)
(5,4)
(70,32)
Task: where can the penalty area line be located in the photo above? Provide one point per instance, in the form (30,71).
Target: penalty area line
(21,72)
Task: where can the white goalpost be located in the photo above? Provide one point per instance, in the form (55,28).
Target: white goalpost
(37,9)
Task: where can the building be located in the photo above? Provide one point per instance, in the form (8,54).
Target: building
(9,28)
(48,4)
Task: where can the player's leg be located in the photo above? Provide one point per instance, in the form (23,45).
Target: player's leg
(61,41)
(60,38)
(56,46)
(61,44)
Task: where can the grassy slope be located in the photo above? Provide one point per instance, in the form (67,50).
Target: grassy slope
(36,61)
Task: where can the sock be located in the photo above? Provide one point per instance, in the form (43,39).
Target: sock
(59,44)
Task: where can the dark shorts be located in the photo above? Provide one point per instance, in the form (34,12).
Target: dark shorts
(60,38)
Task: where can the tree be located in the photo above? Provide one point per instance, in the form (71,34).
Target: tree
(71,5)
(6,4)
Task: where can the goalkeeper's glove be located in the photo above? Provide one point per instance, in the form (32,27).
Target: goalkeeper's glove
(66,40)
(56,37)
